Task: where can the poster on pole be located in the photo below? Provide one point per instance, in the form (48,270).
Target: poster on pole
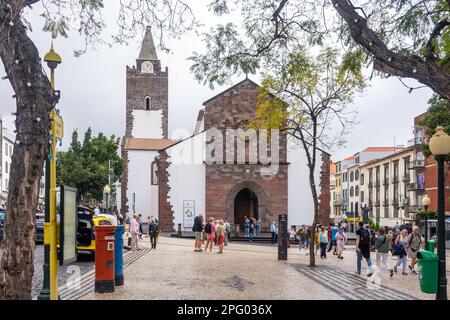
(68,225)
(188,213)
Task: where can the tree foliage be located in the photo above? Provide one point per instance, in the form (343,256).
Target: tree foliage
(438,114)
(85,166)
(305,95)
(404,38)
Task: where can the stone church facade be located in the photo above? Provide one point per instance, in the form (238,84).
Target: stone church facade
(175,179)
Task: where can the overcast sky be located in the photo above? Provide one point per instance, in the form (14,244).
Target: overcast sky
(93,88)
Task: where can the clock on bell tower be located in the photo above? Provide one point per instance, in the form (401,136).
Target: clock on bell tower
(147,94)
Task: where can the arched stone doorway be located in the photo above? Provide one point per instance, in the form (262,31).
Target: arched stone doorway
(247,199)
(245,205)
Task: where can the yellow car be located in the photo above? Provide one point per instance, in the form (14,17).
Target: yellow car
(85,229)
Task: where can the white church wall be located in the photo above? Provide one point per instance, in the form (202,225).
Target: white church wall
(300,202)
(147,124)
(139,183)
(187,177)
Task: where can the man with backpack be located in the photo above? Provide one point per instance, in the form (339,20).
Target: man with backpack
(227,232)
(198,229)
(153,230)
(363,248)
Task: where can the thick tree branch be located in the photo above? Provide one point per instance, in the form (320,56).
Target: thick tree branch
(388,61)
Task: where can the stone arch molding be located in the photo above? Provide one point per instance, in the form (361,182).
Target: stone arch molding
(262,200)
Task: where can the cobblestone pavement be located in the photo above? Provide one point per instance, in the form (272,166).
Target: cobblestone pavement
(246,271)
(64,272)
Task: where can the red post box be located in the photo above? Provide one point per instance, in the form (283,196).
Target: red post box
(104,258)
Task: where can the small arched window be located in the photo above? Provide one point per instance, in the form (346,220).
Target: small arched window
(356,191)
(147,103)
(356,175)
(154,168)
(352,175)
(352,192)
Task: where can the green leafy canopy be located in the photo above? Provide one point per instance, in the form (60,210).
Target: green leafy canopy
(85,166)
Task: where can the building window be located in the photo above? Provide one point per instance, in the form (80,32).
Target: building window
(352,176)
(147,103)
(362,179)
(154,173)
(6,167)
(356,175)
(6,149)
(362,196)
(10,150)
(352,192)
(356,191)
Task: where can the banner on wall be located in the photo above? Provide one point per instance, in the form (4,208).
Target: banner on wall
(188,213)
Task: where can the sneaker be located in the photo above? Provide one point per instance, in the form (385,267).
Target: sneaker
(395,269)
(369,274)
(413,271)
(410,268)
(357,273)
(391,273)
(404,273)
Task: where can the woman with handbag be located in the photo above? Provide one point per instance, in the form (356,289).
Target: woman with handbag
(401,243)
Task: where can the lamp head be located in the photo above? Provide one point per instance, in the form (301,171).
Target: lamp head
(440,142)
(106,189)
(52,58)
(426,200)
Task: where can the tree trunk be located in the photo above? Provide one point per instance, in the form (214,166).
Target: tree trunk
(312,183)
(385,60)
(21,60)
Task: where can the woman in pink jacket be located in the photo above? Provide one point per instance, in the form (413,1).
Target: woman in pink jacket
(341,240)
(134,230)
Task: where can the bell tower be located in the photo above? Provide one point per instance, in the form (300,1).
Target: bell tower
(147,94)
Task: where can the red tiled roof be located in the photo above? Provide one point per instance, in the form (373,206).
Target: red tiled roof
(148,144)
(379,149)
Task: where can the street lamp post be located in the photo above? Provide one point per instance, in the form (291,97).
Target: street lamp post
(440,148)
(426,202)
(50,285)
(107,190)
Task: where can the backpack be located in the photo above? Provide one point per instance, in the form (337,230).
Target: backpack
(208,228)
(364,238)
(154,228)
(228,228)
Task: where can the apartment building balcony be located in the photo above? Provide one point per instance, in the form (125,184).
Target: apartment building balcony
(377,183)
(415,208)
(394,201)
(385,181)
(370,204)
(414,186)
(386,203)
(417,141)
(337,203)
(377,203)
(394,179)
(406,178)
(370,184)
(416,164)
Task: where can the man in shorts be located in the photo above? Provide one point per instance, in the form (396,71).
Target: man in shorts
(197,229)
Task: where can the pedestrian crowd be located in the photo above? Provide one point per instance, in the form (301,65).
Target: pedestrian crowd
(211,233)
(134,231)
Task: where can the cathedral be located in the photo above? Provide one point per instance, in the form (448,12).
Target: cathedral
(220,170)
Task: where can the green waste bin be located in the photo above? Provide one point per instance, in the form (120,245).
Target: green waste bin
(431,245)
(428,271)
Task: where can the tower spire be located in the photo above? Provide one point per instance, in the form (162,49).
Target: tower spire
(148,51)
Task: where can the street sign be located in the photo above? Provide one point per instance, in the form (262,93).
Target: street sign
(68,225)
(59,126)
